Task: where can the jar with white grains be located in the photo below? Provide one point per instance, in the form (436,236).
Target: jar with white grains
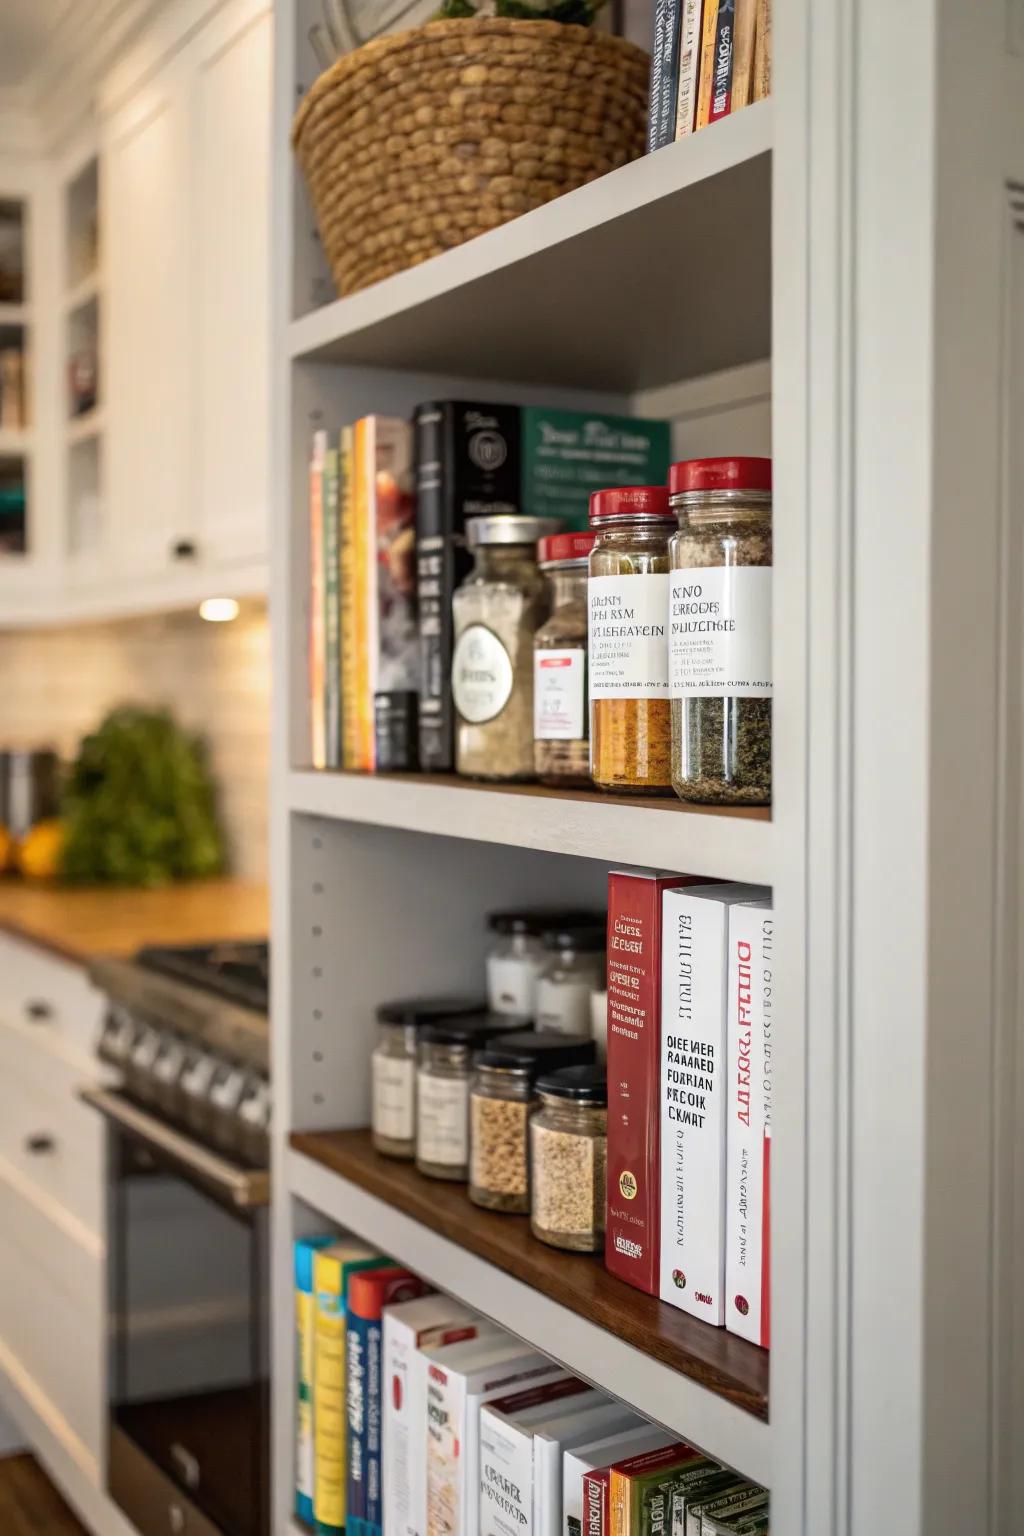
(393,1066)
(516,956)
(495,613)
(569,1159)
(444,1059)
(572,971)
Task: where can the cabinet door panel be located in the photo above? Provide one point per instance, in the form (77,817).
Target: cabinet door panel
(232,276)
(148,244)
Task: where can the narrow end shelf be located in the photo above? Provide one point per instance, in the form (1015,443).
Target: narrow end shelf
(717,1360)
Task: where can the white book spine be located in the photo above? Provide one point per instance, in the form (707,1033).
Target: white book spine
(693,1078)
(748,1134)
(689,67)
(506,1476)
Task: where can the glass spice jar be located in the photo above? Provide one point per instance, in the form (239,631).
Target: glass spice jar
(569,1159)
(393,1066)
(516,956)
(573,970)
(501,1101)
(627,599)
(720,631)
(495,614)
(561,718)
(444,1056)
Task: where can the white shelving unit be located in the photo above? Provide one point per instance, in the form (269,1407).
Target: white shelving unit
(838,274)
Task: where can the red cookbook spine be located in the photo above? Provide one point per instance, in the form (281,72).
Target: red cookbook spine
(634,1066)
(595,1503)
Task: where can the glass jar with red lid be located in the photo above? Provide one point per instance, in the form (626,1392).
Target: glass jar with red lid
(627,598)
(561,724)
(720,641)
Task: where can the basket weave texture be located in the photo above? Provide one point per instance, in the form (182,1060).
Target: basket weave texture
(422,139)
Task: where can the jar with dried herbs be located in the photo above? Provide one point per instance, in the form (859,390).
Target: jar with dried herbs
(495,613)
(569,1159)
(393,1066)
(627,599)
(720,640)
(561,719)
(444,1057)
(501,1101)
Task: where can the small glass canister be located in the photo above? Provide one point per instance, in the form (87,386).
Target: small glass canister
(627,651)
(561,718)
(393,1066)
(573,970)
(516,956)
(721,631)
(495,614)
(569,1159)
(444,1057)
(501,1101)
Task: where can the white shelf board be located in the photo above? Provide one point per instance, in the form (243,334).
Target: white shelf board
(83,292)
(90,424)
(659,271)
(698,843)
(688,1409)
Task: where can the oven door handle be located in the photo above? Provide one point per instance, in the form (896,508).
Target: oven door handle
(242,1187)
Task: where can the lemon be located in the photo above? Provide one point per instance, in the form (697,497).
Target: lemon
(39,854)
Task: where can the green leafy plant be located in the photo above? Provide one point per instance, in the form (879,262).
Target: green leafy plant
(139,805)
(579,13)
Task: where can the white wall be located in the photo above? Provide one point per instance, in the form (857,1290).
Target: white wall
(55,685)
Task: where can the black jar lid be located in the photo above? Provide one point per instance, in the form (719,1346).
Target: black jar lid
(535,1051)
(538,920)
(587,938)
(473,1029)
(414,1012)
(578,1085)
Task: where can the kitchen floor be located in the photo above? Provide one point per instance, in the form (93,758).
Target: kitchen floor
(29,1503)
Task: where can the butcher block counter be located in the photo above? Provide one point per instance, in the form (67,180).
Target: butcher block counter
(79,924)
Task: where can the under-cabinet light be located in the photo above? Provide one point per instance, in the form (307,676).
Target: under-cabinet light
(218,610)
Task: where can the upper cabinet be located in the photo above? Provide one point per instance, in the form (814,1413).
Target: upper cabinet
(145,470)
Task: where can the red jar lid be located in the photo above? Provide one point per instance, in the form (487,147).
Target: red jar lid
(720,475)
(626,501)
(564,546)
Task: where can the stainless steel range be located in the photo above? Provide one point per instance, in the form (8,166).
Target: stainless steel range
(189,1123)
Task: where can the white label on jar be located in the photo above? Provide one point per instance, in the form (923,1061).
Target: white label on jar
(558,702)
(512,984)
(394,1097)
(628,636)
(481,675)
(442,1120)
(721,631)
(564,1006)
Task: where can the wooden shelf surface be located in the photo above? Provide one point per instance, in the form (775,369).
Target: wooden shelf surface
(723,842)
(718,1361)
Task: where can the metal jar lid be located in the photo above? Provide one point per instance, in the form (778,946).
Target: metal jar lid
(509,528)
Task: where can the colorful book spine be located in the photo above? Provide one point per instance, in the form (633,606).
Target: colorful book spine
(743,54)
(332,611)
(596,1518)
(634,1071)
(721,85)
(333,1269)
(748,1135)
(709,32)
(393,639)
(661,120)
(762,85)
(305,1247)
(368,1295)
(347,604)
(689,67)
(317,581)
(638,1482)
(362,570)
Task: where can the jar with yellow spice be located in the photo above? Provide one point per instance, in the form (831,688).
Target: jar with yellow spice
(627,601)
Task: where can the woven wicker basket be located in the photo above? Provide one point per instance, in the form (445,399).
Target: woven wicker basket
(423,139)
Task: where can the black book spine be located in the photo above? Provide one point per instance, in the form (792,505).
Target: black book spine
(661,114)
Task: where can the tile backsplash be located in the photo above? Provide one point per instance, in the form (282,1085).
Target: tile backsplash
(55,685)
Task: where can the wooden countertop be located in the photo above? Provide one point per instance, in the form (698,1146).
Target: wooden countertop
(81,923)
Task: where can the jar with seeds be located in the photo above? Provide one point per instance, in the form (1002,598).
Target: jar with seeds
(501,1101)
(569,1159)
(627,650)
(561,719)
(720,635)
(393,1066)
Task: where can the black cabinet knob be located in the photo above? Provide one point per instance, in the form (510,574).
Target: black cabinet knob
(183,549)
(38,1011)
(39,1144)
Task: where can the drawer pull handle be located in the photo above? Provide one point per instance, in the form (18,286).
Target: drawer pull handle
(39,1145)
(175,1519)
(38,1011)
(187,1464)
